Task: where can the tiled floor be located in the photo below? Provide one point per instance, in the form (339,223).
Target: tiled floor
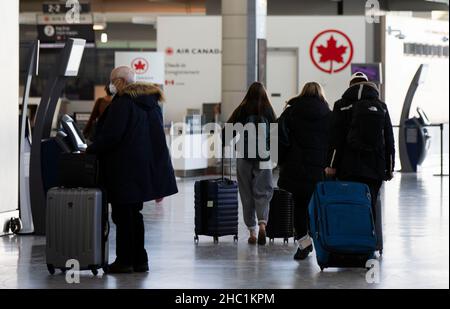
(416,227)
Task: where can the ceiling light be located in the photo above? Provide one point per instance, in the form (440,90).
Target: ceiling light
(99,27)
(104,37)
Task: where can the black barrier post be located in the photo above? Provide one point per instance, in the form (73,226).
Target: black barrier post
(441,127)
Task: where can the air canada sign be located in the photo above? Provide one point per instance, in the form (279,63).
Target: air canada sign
(331,51)
(192,51)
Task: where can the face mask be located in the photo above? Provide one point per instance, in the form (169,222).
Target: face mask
(112,89)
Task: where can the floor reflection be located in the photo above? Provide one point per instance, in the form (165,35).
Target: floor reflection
(416,233)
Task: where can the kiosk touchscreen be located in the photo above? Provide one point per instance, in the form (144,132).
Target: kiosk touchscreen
(423,118)
(74,135)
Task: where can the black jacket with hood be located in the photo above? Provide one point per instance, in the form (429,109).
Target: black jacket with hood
(303,130)
(244,115)
(131,145)
(352,163)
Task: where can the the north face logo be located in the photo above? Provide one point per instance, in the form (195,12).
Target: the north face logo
(373,109)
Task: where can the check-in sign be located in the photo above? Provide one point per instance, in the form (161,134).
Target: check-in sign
(148,66)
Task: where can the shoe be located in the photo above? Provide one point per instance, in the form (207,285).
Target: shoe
(262,238)
(252,240)
(141,268)
(303,253)
(116,268)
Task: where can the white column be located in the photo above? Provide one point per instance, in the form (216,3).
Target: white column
(9,107)
(243,22)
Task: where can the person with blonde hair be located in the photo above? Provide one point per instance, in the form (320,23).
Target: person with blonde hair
(303,130)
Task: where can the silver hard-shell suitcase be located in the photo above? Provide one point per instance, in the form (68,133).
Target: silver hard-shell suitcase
(76,228)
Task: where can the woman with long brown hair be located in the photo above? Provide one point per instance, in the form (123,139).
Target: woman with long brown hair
(303,130)
(254,170)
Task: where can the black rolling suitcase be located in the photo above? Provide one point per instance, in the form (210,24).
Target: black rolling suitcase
(216,208)
(281,216)
(78,170)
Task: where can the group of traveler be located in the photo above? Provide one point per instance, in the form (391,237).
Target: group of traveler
(314,143)
(354,142)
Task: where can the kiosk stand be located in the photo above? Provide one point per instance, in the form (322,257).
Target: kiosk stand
(69,62)
(413,135)
(414,139)
(25,143)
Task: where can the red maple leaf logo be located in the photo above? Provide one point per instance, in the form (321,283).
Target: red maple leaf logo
(139,66)
(169,51)
(331,53)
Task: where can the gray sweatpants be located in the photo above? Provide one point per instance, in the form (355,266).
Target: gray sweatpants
(256,190)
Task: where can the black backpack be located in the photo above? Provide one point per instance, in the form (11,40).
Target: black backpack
(367,126)
(257,121)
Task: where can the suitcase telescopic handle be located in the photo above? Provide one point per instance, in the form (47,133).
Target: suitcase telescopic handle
(223,163)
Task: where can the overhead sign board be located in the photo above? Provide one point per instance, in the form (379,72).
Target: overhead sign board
(58,7)
(54,29)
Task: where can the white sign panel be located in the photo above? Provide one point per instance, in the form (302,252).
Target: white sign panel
(327,46)
(192,46)
(148,66)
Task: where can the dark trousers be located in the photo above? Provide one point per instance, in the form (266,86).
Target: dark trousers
(301,216)
(130,233)
(374,187)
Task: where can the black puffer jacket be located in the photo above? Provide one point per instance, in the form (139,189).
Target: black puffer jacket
(349,162)
(303,142)
(131,145)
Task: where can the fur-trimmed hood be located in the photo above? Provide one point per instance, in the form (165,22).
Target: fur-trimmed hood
(143,89)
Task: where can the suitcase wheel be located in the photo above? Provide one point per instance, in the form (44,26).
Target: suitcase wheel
(51,269)
(236,238)
(321,268)
(381,252)
(286,240)
(196,239)
(272,240)
(216,239)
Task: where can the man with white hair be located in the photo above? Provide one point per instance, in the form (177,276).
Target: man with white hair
(120,77)
(135,163)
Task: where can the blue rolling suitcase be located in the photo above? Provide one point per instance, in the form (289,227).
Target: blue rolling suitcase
(216,208)
(342,224)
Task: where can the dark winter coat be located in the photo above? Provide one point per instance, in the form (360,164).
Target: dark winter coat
(243,116)
(303,130)
(131,145)
(350,162)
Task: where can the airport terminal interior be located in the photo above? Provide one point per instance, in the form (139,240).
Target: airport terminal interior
(56,57)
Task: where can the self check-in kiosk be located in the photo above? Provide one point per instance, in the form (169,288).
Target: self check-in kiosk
(414,139)
(44,149)
(24,225)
